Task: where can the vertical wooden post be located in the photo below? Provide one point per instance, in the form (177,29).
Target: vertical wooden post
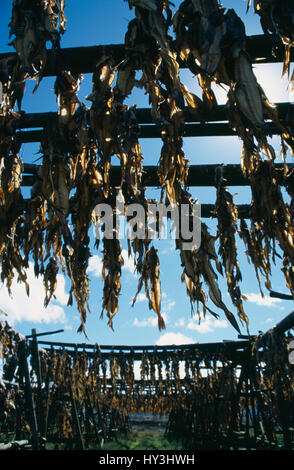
(90,407)
(283,413)
(30,398)
(37,364)
(47,401)
(236,401)
(80,441)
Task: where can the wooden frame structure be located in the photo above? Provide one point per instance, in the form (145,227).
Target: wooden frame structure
(250,402)
(30,127)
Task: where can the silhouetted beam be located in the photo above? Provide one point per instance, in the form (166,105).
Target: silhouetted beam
(227,346)
(33,120)
(84,59)
(153,132)
(279,329)
(199,175)
(280,295)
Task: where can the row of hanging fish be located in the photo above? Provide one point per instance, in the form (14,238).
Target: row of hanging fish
(77,150)
(114,382)
(192,382)
(212,42)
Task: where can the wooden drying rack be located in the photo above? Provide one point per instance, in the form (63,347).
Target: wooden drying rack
(30,126)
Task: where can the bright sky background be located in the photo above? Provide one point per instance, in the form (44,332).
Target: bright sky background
(105,22)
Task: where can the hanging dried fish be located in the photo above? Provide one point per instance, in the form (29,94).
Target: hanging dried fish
(35,224)
(272,214)
(151,281)
(11,202)
(197,265)
(111,274)
(199,32)
(66,87)
(103,118)
(258,251)
(227,217)
(149,46)
(11,87)
(32,24)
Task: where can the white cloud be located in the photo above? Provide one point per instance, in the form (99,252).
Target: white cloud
(95,265)
(180,322)
(141,297)
(174,339)
(269,320)
(21,307)
(150,321)
(206,325)
(61,296)
(129,263)
(265,301)
(169,305)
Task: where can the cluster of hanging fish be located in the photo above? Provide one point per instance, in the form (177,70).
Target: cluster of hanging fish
(118,382)
(212,42)
(207,412)
(77,149)
(201,391)
(33,23)
(113,382)
(9,341)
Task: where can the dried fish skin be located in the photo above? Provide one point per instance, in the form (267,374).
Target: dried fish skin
(198,270)
(151,281)
(200,28)
(32,24)
(111,274)
(227,217)
(66,87)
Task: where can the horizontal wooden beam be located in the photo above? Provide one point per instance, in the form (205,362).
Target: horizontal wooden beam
(151,349)
(84,59)
(218,114)
(199,175)
(154,132)
(278,330)
(207,211)
(280,295)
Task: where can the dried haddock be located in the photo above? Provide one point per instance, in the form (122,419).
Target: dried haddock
(32,24)
(149,47)
(197,264)
(227,218)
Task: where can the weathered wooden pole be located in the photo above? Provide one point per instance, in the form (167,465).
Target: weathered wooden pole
(37,368)
(79,437)
(29,394)
(91,411)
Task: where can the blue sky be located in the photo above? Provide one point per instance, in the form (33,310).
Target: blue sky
(105,22)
